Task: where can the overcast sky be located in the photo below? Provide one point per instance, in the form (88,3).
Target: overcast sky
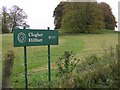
(40,12)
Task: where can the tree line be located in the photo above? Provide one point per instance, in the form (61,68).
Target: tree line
(12,18)
(83,17)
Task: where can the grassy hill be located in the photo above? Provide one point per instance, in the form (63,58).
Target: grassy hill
(80,44)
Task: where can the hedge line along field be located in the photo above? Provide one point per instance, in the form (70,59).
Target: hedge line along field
(37,56)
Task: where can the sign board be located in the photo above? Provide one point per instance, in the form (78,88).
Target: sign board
(33,37)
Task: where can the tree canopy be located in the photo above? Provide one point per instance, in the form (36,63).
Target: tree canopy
(5,20)
(83,17)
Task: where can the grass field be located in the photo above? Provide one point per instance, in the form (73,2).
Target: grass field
(37,56)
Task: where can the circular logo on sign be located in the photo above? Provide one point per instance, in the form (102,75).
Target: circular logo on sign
(21,37)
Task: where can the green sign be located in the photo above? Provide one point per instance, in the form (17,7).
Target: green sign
(32,37)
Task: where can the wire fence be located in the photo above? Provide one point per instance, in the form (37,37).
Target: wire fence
(59,53)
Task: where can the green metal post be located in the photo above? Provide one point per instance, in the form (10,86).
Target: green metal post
(25,64)
(49,73)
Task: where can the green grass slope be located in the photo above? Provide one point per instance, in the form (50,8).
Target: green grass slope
(37,56)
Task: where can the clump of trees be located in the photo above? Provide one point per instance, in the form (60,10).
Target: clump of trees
(11,18)
(83,17)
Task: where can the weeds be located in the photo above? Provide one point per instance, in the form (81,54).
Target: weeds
(97,71)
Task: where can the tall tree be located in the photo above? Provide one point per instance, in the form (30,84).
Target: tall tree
(109,18)
(18,17)
(5,20)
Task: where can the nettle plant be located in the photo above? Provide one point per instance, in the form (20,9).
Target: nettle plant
(67,63)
